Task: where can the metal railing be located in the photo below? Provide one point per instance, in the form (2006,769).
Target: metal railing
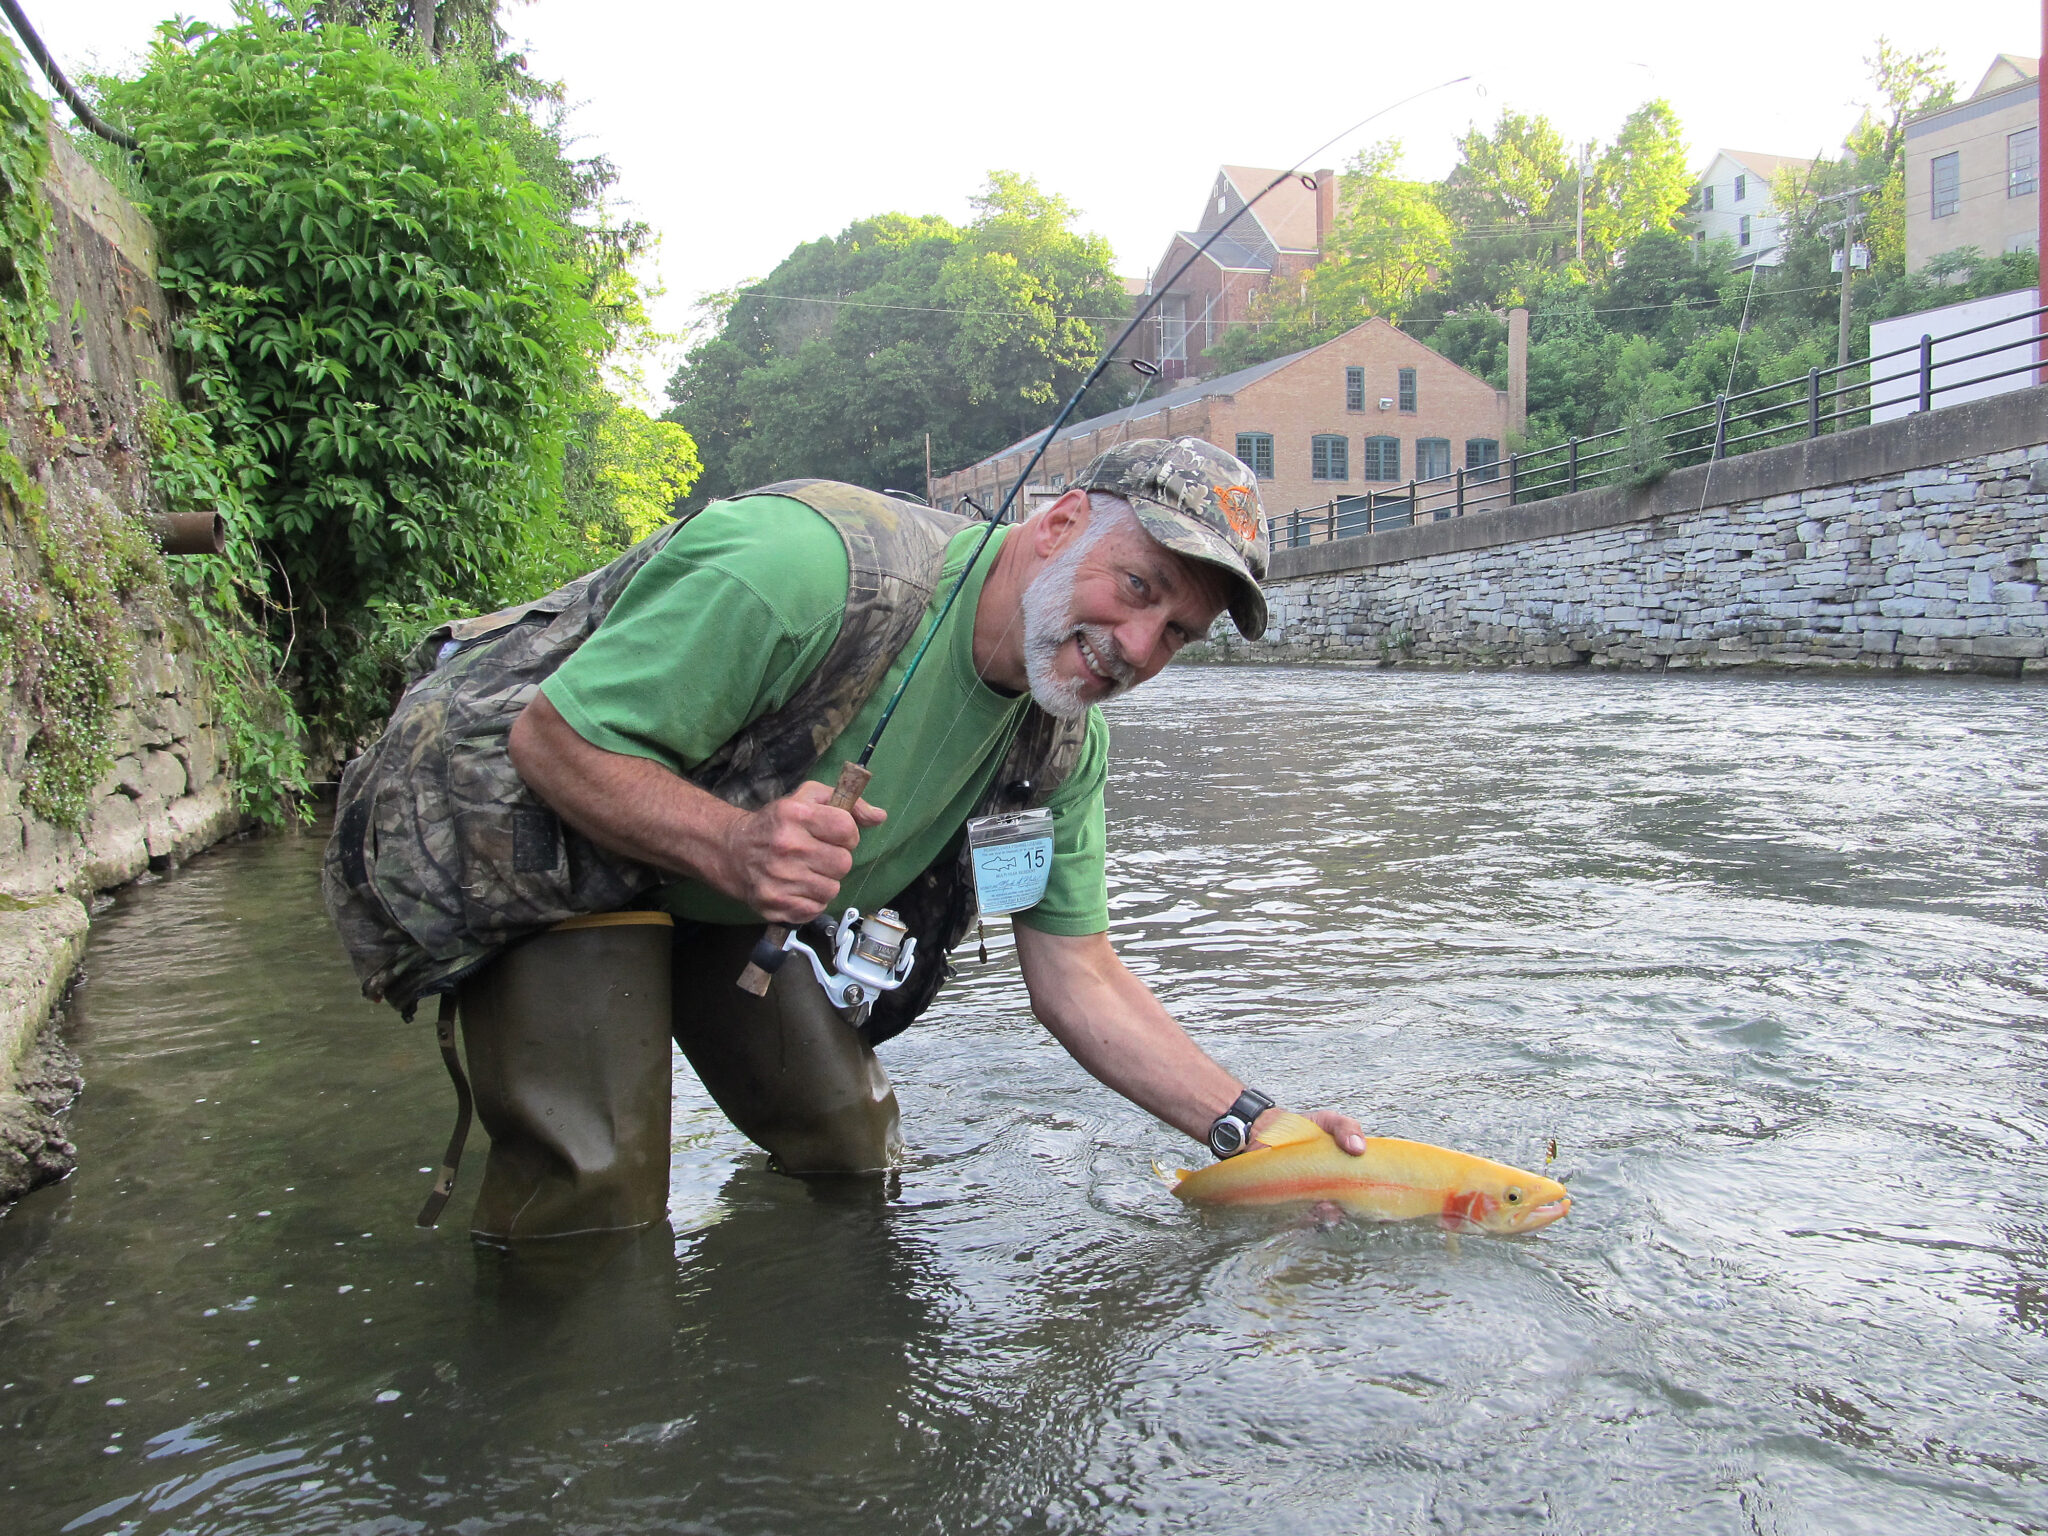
(1766,417)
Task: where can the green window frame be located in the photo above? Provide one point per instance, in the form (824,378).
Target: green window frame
(1256,450)
(1382,459)
(1354,389)
(1432,457)
(1407,389)
(1482,458)
(1329,457)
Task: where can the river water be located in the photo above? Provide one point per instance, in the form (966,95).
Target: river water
(1765,958)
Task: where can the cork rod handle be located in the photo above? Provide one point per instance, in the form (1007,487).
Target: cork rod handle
(768,951)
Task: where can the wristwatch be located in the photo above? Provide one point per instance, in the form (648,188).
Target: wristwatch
(1233,1128)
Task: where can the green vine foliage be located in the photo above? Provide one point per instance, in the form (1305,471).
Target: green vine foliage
(226,597)
(24,220)
(63,646)
(384,329)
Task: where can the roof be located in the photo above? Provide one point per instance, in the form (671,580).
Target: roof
(2006,71)
(1187,394)
(1288,212)
(1228,252)
(1204,389)
(1991,98)
(1767,166)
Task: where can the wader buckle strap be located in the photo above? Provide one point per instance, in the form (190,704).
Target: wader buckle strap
(444,1183)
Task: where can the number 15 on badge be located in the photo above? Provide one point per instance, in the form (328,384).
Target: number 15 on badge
(1011,857)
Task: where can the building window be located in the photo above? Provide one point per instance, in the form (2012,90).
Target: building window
(2022,162)
(1354,389)
(1407,389)
(1482,458)
(1707,198)
(1948,183)
(1741,188)
(1256,450)
(1432,457)
(1329,457)
(1382,459)
(1742,232)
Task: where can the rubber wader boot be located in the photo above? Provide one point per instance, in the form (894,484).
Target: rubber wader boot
(568,1046)
(787,1069)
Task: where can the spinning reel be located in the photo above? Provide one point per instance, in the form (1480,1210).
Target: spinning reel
(870,956)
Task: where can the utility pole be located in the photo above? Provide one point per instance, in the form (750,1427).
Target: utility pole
(1585,154)
(1848,265)
(1853,197)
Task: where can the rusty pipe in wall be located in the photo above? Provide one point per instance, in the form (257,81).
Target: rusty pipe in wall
(192,533)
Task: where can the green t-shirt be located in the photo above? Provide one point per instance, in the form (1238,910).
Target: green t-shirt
(730,618)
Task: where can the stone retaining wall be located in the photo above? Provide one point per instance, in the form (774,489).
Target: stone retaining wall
(165,796)
(1933,558)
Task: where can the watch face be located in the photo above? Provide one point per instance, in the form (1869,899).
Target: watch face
(1225,1137)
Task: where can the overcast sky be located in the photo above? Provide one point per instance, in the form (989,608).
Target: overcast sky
(742,130)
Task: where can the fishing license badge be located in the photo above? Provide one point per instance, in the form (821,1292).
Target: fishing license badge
(1011,857)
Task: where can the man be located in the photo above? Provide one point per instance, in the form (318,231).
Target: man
(1090,597)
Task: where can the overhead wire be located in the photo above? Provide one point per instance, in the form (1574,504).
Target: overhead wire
(61,83)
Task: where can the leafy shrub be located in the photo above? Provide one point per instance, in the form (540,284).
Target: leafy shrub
(385,326)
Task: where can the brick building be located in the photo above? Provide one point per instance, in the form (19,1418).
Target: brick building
(1281,238)
(1365,412)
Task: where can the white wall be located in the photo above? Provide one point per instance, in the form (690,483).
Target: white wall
(1901,397)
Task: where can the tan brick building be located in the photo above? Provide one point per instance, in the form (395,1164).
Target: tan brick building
(1973,170)
(1364,413)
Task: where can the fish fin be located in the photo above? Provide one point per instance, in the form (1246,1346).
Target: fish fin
(1287,1128)
(1169,1176)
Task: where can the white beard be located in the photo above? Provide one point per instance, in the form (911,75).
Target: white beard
(1049,625)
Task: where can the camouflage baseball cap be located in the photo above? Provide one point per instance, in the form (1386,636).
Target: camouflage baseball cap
(1199,502)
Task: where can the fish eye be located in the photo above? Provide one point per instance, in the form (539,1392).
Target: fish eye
(1514,1197)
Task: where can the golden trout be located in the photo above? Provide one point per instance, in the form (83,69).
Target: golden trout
(1392,1180)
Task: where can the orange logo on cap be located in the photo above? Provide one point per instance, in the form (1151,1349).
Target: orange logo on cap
(1240,510)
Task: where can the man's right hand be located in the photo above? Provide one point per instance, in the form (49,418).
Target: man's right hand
(786,860)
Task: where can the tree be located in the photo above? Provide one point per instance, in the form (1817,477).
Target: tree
(1907,84)
(392,328)
(1640,183)
(843,358)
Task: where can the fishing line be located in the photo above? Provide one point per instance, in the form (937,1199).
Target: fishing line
(1101,366)
(1741,329)
(1151,375)
(854,776)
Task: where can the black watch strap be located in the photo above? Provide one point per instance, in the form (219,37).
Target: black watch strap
(1229,1131)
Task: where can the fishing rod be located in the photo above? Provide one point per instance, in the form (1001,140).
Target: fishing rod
(855,776)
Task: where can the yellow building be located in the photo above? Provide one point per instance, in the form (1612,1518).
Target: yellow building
(1973,170)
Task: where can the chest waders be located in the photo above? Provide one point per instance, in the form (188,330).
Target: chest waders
(446,876)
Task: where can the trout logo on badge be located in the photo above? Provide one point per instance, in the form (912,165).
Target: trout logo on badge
(1240,510)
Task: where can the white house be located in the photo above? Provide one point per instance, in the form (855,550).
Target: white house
(1732,201)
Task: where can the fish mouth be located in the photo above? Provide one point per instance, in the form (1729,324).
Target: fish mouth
(1543,1215)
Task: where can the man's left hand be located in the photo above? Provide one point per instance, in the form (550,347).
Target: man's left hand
(1344,1130)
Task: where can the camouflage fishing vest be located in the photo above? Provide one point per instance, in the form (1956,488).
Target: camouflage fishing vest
(441,856)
